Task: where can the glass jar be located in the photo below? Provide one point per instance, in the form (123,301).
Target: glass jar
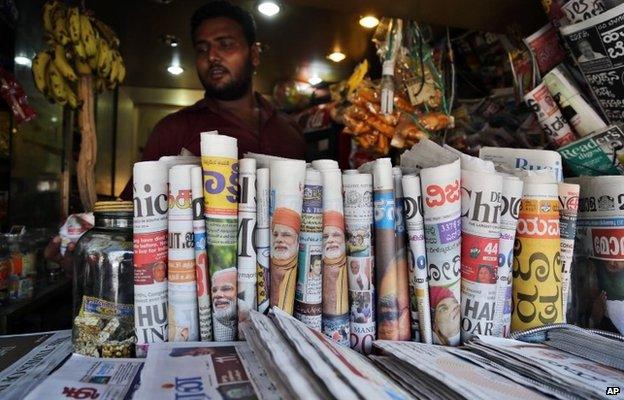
(103,284)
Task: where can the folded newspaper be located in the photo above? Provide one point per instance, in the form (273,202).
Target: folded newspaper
(83,377)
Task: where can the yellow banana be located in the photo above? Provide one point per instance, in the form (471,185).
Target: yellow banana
(105,59)
(48,12)
(106,32)
(39,67)
(114,70)
(60,60)
(83,68)
(93,60)
(72,99)
(60,26)
(73,24)
(56,84)
(79,51)
(87,35)
(121,74)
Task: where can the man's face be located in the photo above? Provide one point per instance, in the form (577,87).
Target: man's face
(284,242)
(316,267)
(355,268)
(224,296)
(586,49)
(223,58)
(333,238)
(447,317)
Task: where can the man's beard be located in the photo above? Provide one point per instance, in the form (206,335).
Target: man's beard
(233,90)
(225,316)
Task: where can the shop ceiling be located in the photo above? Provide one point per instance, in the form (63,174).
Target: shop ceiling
(296,41)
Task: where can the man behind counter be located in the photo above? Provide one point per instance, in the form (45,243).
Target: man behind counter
(226,54)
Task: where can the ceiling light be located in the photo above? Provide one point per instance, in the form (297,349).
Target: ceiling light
(175,69)
(21,60)
(336,56)
(369,21)
(314,80)
(268,7)
(170,40)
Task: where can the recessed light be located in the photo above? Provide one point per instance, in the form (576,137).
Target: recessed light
(268,7)
(314,80)
(336,56)
(369,21)
(21,60)
(175,69)
(54,119)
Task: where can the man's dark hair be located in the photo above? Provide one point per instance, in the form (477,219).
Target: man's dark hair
(221,8)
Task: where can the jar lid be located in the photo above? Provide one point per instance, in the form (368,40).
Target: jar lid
(113,206)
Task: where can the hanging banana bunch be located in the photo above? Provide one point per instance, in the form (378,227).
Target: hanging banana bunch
(79,45)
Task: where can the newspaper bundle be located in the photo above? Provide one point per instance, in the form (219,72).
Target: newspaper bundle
(201,258)
(418,275)
(386,268)
(440,176)
(308,294)
(599,282)
(549,116)
(286,178)
(345,373)
(600,153)
(220,166)
(511,196)
(150,253)
(247,274)
(598,47)
(575,109)
(221,371)
(182,313)
(83,377)
(263,240)
(335,277)
(26,360)
(403,297)
(481,202)
(358,212)
(537,267)
(568,210)
(433,372)
(525,159)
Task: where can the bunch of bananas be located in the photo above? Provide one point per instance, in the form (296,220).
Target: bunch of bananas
(79,44)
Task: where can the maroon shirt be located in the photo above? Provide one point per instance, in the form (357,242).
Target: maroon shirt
(276,135)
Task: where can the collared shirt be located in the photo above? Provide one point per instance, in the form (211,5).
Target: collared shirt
(275,135)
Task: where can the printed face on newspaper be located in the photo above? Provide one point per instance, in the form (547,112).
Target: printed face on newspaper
(224,296)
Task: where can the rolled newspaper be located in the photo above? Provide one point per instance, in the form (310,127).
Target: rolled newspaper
(440,176)
(182,310)
(480,225)
(287,179)
(308,294)
(220,166)
(511,196)
(150,253)
(358,213)
(335,278)
(201,258)
(263,241)
(545,47)
(405,324)
(247,274)
(537,260)
(418,275)
(583,118)
(597,47)
(549,116)
(568,209)
(526,159)
(386,268)
(600,236)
